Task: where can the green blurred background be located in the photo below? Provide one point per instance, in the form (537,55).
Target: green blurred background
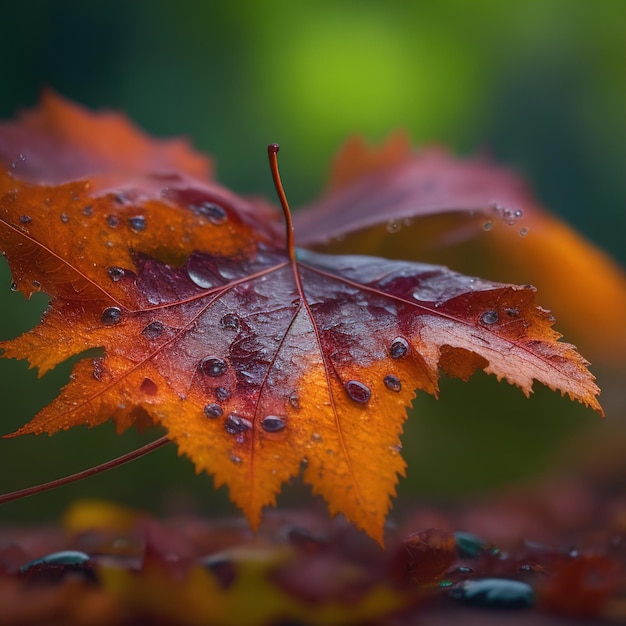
(539,84)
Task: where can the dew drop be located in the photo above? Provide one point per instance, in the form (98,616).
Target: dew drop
(199,278)
(137,223)
(393,226)
(489,318)
(523,231)
(36,285)
(213,410)
(149,387)
(20,159)
(236,424)
(488,225)
(530,566)
(222,394)
(230,322)
(212,366)
(88,210)
(398,348)
(316,438)
(236,459)
(512,312)
(358,391)
(112,220)
(519,213)
(14,286)
(294,400)
(392,382)
(273,424)
(111,316)
(115,273)
(64,218)
(24,219)
(153,330)
(213,212)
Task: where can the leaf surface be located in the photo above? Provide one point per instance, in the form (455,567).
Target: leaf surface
(255,365)
(473,216)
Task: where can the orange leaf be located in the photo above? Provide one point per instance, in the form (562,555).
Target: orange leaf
(255,358)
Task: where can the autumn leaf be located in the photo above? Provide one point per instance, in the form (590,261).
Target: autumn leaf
(255,356)
(476,217)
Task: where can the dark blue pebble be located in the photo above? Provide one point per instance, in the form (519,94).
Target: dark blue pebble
(494,593)
(66,557)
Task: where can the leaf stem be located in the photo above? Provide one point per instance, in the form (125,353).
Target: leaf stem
(272,152)
(59,482)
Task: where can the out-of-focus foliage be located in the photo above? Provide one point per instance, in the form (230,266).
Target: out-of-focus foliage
(539,84)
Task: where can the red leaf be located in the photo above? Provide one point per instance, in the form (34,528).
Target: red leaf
(255,358)
(475,217)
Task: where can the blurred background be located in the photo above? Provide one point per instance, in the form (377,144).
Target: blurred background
(539,85)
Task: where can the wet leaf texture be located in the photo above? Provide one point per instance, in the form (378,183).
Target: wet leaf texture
(256,366)
(477,218)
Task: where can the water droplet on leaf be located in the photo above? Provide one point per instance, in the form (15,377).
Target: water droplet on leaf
(64,218)
(294,400)
(213,410)
(488,225)
(213,366)
(24,219)
(115,273)
(236,459)
(213,212)
(153,330)
(316,438)
(112,220)
(236,424)
(273,424)
(20,159)
(149,387)
(358,391)
(222,394)
(14,286)
(392,382)
(137,223)
(200,277)
(398,348)
(230,321)
(523,231)
(111,316)
(489,318)
(88,210)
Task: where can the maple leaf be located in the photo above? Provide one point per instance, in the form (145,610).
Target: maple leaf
(476,217)
(254,356)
